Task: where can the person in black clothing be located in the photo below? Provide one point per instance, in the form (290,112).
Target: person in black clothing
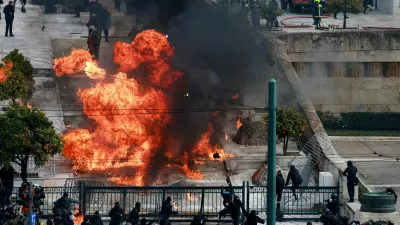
(252,218)
(143,221)
(86,221)
(391,191)
(96,219)
(133,216)
(198,220)
(234,209)
(280,183)
(93,42)
(116,214)
(327,218)
(166,210)
(351,173)
(296,179)
(332,204)
(118,5)
(227,198)
(104,22)
(7,179)
(94,21)
(9,11)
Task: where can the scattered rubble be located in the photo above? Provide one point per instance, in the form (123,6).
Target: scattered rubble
(251,133)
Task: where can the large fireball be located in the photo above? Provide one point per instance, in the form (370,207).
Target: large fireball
(129,132)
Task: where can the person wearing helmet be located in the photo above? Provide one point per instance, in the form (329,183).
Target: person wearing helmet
(351,173)
(133,216)
(296,179)
(332,204)
(317,13)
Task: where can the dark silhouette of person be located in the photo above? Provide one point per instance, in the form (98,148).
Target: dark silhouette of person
(96,219)
(133,216)
(166,210)
(252,218)
(7,179)
(351,173)
(9,11)
(93,42)
(296,179)
(280,183)
(327,218)
(234,209)
(226,194)
(332,204)
(86,221)
(104,22)
(391,191)
(116,214)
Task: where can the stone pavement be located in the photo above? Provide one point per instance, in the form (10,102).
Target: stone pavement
(371,19)
(379,172)
(29,38)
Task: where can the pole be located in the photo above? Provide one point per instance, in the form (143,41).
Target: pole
(271,192)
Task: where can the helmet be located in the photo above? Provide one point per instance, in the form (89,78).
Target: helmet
(92,28)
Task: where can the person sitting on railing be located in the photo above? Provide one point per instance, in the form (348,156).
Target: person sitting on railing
(133,216)
(96,219)
(296,179)
(116,214)
(252,218)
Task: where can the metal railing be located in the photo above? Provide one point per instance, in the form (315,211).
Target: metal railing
(189,201)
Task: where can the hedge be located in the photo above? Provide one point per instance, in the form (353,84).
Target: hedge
(362,120)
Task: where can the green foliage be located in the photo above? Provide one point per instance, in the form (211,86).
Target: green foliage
(19,79)
(20,63)
(289,123)
(362,120)
(27,132)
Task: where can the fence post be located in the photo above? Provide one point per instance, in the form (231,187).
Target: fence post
(248,196)
(80,196)
(338,198)
(84,198)
(202,202)
(243,192)
(124,200)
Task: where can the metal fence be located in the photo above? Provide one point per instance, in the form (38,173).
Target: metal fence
(189,201)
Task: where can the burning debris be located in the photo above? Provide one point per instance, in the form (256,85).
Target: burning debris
(252,133)
(8,65)
(132,137)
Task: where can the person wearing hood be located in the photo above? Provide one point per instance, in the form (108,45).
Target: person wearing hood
(296,179)
(133,216)
(116,214)
(280,183)
(96,219)
(351,173)
(391,191)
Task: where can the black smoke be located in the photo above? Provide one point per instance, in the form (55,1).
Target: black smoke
(220,55)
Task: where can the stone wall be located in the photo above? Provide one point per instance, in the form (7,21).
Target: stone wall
(348,71)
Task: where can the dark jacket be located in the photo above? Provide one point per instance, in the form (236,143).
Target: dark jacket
(252,219)
(133,216)
(7,176)
(295,177)
(96,220)
(94,20)
(234,208)
(166,209)
(329,219)
(104,19)
(226,195)
(280,183)
(116,215)
(9,12)
(350,172)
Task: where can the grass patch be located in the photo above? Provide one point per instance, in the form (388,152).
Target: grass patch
(341,132)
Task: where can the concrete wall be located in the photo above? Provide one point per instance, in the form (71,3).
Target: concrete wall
(349,71)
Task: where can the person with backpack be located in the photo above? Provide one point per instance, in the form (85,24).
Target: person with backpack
(94,42)
(296,179)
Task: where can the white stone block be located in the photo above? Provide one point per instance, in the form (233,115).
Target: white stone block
(325,180)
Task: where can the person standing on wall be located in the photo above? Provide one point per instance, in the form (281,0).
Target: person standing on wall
(351,173)
(9,16)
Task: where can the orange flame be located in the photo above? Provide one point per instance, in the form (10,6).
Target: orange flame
(78,217)
(238,123)
(127,134)
(191,197)
(235,96)
(8,65)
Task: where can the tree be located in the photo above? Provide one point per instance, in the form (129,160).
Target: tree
(19,80)
(289,123)
(345,6)
(26,132)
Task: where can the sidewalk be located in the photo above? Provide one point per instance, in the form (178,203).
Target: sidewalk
(29,38)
